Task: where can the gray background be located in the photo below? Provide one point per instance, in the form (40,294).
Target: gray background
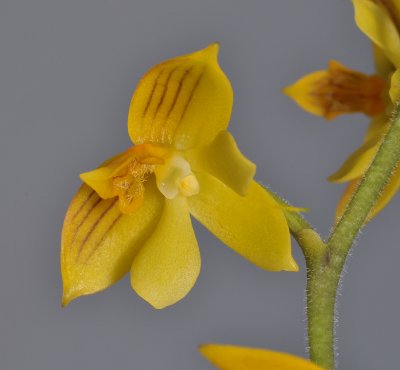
(67,72)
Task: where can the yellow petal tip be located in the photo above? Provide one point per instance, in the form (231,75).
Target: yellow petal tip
(152,301)
(288,91)
(68,296)
(332,178)
(295,209)
(337,177)
(65,300)
(299,93)
(292,91)
(208,53)
(64,303)
(206,349)
(292,266)
(212,49)
(202,347)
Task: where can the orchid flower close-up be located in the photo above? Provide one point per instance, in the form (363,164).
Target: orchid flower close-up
(339,90)
(133,212)
(156,177)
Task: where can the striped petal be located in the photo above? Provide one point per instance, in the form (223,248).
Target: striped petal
(168,265)
(253,226)
(227,357)
(184,101)
(338,90)
(98,242)
(380,21)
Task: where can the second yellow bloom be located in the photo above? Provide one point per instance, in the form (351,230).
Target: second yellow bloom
(341,90)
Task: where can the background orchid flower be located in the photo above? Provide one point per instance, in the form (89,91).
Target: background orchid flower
(226,357)
(133,212)
(340,90)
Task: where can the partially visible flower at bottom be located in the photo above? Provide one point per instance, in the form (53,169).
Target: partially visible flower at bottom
(227,357)
(134,212)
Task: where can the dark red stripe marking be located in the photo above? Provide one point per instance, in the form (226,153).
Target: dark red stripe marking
(164,91)
(88,212)
(89,195)
(94,227)
(153,89)
(103,237)
(191,95)
(183,79)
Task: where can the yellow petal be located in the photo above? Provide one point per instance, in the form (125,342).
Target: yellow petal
(394,91)
(383,66)
(99,242)
(302,92)
(377,128)
(254,226)
(345,198)
(168,265)
(387,194)
(288,208)
(223,159)
(356,165)
(338,90)
(379,20)
(391,188)
(184,101)
(226,357)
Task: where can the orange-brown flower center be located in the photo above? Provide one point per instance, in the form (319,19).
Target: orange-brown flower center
(347,91)
(128,184)
(173,174)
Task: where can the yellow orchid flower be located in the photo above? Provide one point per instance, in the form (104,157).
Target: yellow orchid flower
(226,357)
(133,212)
(340,90)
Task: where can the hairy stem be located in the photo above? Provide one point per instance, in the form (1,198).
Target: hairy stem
(308,240)
(325,271)
(325,261)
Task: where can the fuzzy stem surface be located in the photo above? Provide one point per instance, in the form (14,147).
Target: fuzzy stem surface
(325,270)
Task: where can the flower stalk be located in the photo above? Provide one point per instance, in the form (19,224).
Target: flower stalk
(325,261)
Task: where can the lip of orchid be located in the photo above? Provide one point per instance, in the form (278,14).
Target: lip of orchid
(175,177)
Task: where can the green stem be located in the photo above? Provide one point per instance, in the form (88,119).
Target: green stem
(321,298)
(325,273)
(325,261)
(301,230)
